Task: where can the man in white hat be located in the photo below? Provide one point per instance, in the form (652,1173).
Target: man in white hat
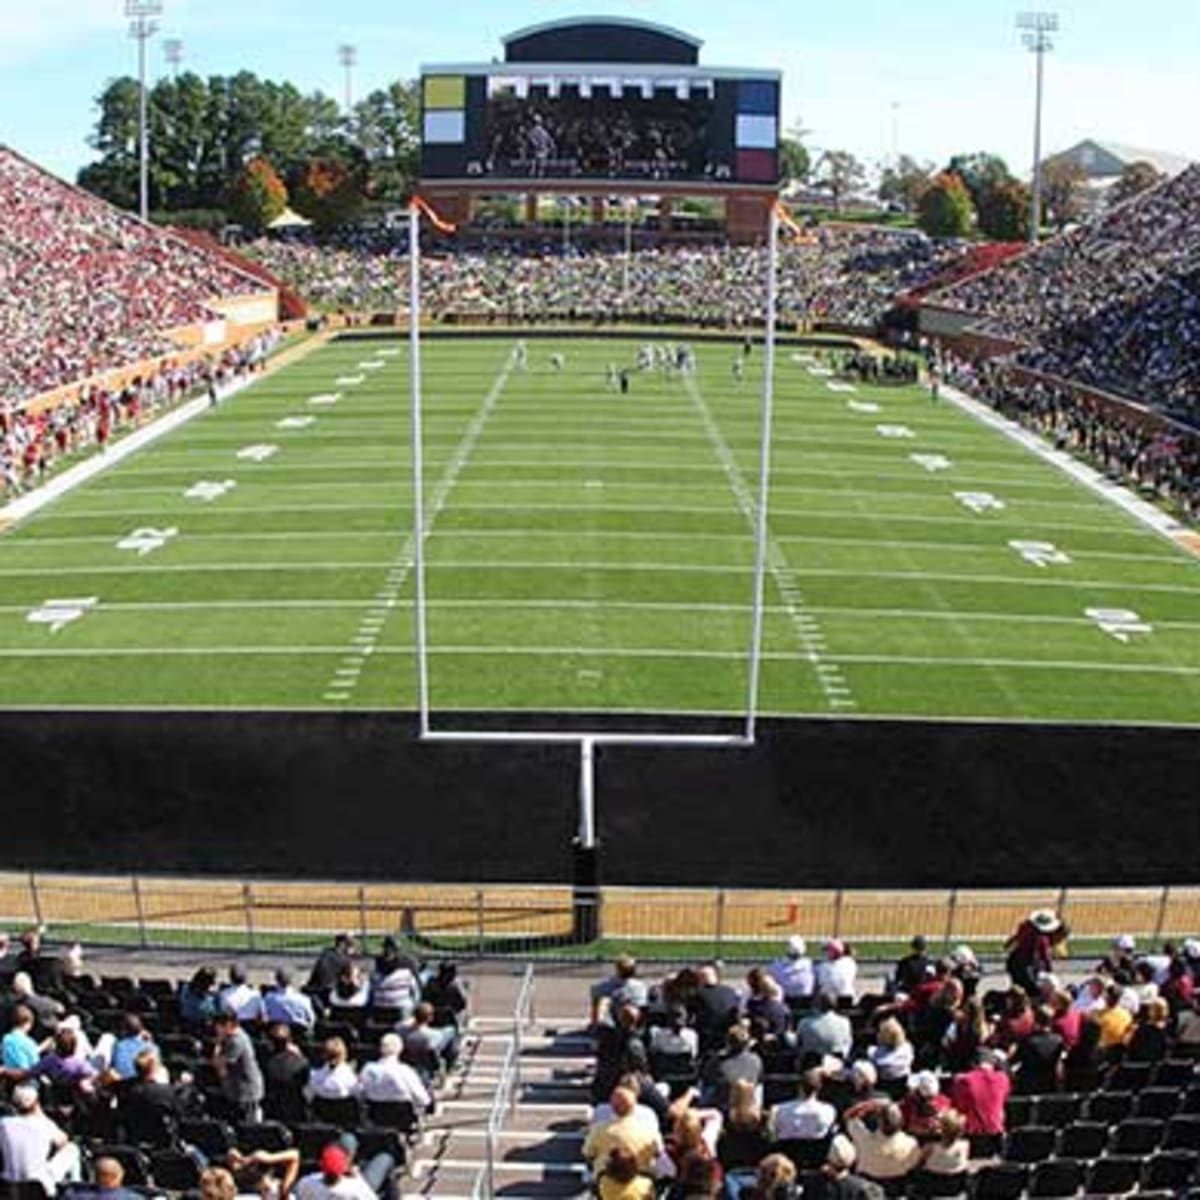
(33,1148)
(1031,949)
(794,971)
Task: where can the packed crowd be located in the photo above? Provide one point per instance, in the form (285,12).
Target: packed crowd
(1115,303)
(1148,455)
(795,1081)
(199,1087)
(33,443)
(838,276)
(85,287)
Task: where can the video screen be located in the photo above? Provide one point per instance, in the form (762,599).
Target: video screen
(627,136)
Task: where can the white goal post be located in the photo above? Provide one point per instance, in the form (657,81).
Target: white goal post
(586,740)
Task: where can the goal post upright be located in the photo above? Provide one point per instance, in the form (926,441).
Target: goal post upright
(586,846)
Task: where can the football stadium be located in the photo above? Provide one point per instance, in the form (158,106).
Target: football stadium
(559,642)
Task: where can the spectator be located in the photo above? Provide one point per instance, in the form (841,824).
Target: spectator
(32,1148)
(20,1052)
(744,1136)
(883,1150)
(676,1036)
(715,1007)
(950,1154)
(912,970)
(335,1078)
(237,1069)
(770,1019)
(350,990)
(1031,949)
(1114,1020)
(287,1004)
(980,1095)
(1150,1038)
(45,1009)
(836,1181)
(339,1179)
(65,1066)
(286,1073)
(624,1132)
(794,971)
(923,1106)
(837,973)
(427,1046)
(1038,1059)
(448,995)
(620,1179)
(394,981)
(134,1039)
(824,1031)
(110,1183)
(330,964)
(807,1118)
(149,1108)
(198,999)
(621,988)
(264,1173)
(239,998)
(892,1054)
(389,1080)
(736,1062)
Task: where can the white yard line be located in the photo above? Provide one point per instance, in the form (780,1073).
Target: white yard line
(341,686)
(807,631)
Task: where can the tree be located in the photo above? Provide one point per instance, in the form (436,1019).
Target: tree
(980,172)
(1004,211)
(944,208)
(1061,181)
(257,195)
(1135,179)
(328,193)
(794,161)
(904,182)
(115,176)
(388,125)
(840,174)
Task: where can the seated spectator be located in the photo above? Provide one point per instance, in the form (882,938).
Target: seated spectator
(389,1080)
(265,1173)
(912,970)
(884,1151)
(1068,1020)
(624,1131)
(892,1054)
(1038,1060)
(965,968)
(198,999)
(1179,989)
(32,1148)
(1016,1021)
(924,1105)
(836,1181)
(133,1040)
(980,1095)
(286,1072)
(950,1153)
(339,1179)
(769,1017)
(350,990)
(109,1183)
(676,1037)
(824,1030)
(744,1135)
(394,982)
(448,995)
(20,1052)
(621,988)
(775,1179)
(794,971)
(698,1178)
(619,1178)
(1187,1031)
(808,1118)
(1150,1038)
(330,964)
(46,1010)
(1113,1019)
(65,1066)
(837,974)
(240,998)
(694,1133)
(335,1078)
(149,1108)
(216,1183)
(723,1068)
(715,1007)
(287,1004)
(968,1032)
(426,1043)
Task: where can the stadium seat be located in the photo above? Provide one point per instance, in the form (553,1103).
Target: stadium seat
(1183,1132)
(1109,1107)
(214,1139)
(1113,1176)
(312,1137)
(1058,1109)
(1174,1073)
(806,1153)
(1170,1170)
(1058,1177)
(928,1185)
(1030,1144)
(271,1136)
(344,1112)
(1157,1102)
(1128,1077)
(1001,1181)
(400,1115)
(1083,1139)
(29,1190)
(175,1170)
(1138,1135)
(1018,1110)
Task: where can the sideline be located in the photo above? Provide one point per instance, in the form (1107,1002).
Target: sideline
(1147,514)
(25,506)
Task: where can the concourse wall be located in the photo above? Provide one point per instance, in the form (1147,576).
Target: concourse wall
(819,803)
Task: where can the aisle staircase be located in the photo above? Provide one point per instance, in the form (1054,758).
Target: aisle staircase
(511,1117)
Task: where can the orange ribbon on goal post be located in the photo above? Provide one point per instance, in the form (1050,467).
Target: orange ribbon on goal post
(787,220)
(439,223)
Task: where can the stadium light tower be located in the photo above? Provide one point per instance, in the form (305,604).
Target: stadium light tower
(348,57)
(1036,28)
(141,14)
(173,48)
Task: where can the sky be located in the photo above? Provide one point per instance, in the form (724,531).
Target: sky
(926,77)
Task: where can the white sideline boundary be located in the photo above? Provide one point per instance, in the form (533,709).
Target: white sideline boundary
(1142,511)
(25,506)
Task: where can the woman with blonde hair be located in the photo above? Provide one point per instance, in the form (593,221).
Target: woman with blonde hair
(744,1139)
(620,1180)
(892,1054)
(950,1154)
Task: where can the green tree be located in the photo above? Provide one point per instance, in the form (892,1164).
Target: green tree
(944,208)
(1004,211)
(387,123)
(1062,180)
(257,195)
(1135,179)
(980,172)
(115,176)
(840,174)
(794,160)
(328,193)
(904,182)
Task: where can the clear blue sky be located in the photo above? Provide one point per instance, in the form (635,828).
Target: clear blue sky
(947,75)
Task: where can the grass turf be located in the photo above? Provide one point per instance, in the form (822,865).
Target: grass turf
(591,551)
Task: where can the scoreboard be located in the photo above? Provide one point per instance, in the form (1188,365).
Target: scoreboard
(641,122)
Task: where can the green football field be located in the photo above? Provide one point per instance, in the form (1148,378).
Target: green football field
(593,552)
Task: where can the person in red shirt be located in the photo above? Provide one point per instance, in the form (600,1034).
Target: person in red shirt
(1068,1020)
(1031,948)
(980,1095)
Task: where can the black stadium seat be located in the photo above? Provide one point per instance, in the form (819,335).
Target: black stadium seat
(1183,1132)
(1109,1107)
(1030,1144)
(1170,1170)
(1058,1177)
(1157,1102)
(1058,1109)
(1002,1181)
(1113,1176)
(175,1170)
(1083,1139)
(1174,1073)
(1138,1135)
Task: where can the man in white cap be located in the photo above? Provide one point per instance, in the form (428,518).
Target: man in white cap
(794,971)
(33,1148)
